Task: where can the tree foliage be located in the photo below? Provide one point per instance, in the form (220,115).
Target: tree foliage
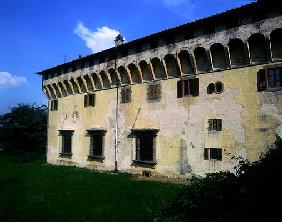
(254,194)
(24,128)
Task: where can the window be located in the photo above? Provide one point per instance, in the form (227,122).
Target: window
(145,146)
(66,149)
(154,92)
(54,105)
(188,87)
(89,100)
(125,94)
(73,67)
(213,154)
(216,87)
(270,78)
(215,124)
(96,150)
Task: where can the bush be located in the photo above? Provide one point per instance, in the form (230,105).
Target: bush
(24,128)
(254,194)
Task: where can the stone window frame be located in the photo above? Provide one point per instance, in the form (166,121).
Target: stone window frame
(54,105)
(100,134)
(137,134)
(213,154)
(188,86)
(154,91)
(66,152)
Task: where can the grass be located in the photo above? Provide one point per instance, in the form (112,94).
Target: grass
(31,190)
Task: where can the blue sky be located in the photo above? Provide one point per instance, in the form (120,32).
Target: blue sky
(36,34)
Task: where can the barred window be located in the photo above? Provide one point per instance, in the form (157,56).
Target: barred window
(125,94)
(188,87)
(145,146)
(54,105)
(154,92)
(96,149)
(89,100)
(215,124)
(213,154)
(66,149)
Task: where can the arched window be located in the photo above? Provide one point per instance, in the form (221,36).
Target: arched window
(88,83)
(258,48)
(202,61)
(123,75)
(219,58)
(158,68)
(105,80)
(276,44)
(185,62)
(113,76)
(97,81)
(237,53)
(171,66)
(146,71)
(135,75)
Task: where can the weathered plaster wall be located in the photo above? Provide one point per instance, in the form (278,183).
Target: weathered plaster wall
(250,121)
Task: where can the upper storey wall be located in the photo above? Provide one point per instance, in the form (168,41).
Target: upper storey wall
(249,44)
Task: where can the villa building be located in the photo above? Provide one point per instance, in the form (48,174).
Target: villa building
(188,100)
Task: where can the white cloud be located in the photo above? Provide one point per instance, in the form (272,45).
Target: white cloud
(102,38)
(7,80)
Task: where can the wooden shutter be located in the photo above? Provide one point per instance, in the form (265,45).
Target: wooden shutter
(195,87)
(85,100)
(206,154)
(210,124)
(128,92)
(158,91)
(261,80)
(219,125)
(149,92)
(92,98)
(179,89)
(137,147)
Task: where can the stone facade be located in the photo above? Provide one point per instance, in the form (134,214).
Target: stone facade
(232,111)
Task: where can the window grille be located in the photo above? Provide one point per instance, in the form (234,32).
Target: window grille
(215,124)
(213,154)
(125,95)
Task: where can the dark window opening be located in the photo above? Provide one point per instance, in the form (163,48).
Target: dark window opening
(218,87)
(82,64)
(270,78)
(73,67)
(145,146)
(89,100)
(211,88)
(274,78)
(125,94)
(66,149)
(188,87)
(154,92)
(154,44)
(215,124)
(65,69)
(54,105)
(96,150)
(138,48)
(213,154)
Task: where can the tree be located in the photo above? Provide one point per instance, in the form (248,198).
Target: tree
(24,128)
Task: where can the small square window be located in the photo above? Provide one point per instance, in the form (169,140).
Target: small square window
(213,154)
(154,92)
(215,124)
(89,100)
(54,105)
(125,95)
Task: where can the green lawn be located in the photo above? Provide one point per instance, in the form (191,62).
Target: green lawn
(31,190)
